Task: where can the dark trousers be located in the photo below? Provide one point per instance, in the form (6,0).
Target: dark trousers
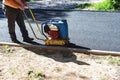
(15,15)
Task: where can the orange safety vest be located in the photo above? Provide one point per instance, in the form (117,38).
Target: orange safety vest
(11,3)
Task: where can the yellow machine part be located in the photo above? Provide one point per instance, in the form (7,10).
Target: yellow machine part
(55,42)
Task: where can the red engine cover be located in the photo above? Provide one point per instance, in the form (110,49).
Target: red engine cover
(53,34)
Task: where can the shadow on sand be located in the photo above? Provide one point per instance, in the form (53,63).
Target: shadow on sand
(58,55)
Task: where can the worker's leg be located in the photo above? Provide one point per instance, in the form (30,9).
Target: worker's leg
(20,22)
(11,17)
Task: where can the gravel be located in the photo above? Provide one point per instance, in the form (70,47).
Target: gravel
(17,63)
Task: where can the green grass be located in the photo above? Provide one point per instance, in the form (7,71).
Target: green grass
(99,62)
(103,78)
(82,6)
(32,74)
(58,69)
(7,49)
(106,5)
(114,60)
(39,74)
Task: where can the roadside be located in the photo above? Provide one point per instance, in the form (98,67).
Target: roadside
(58,5)
(17,63)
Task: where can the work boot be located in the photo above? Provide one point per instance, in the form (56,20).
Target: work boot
(14,38)
(16,41)
(29,40)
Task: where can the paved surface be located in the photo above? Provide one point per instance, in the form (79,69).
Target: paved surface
(94,30)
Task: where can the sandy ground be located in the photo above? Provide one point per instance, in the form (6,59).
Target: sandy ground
(17,63)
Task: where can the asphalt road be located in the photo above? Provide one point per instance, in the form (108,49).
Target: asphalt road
(94,30)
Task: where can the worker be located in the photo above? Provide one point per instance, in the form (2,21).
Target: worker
(13,11)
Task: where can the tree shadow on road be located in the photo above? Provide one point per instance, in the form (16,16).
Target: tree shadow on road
(58,55)
(43,15)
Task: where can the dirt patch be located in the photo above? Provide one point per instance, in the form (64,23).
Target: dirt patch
(17,63)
